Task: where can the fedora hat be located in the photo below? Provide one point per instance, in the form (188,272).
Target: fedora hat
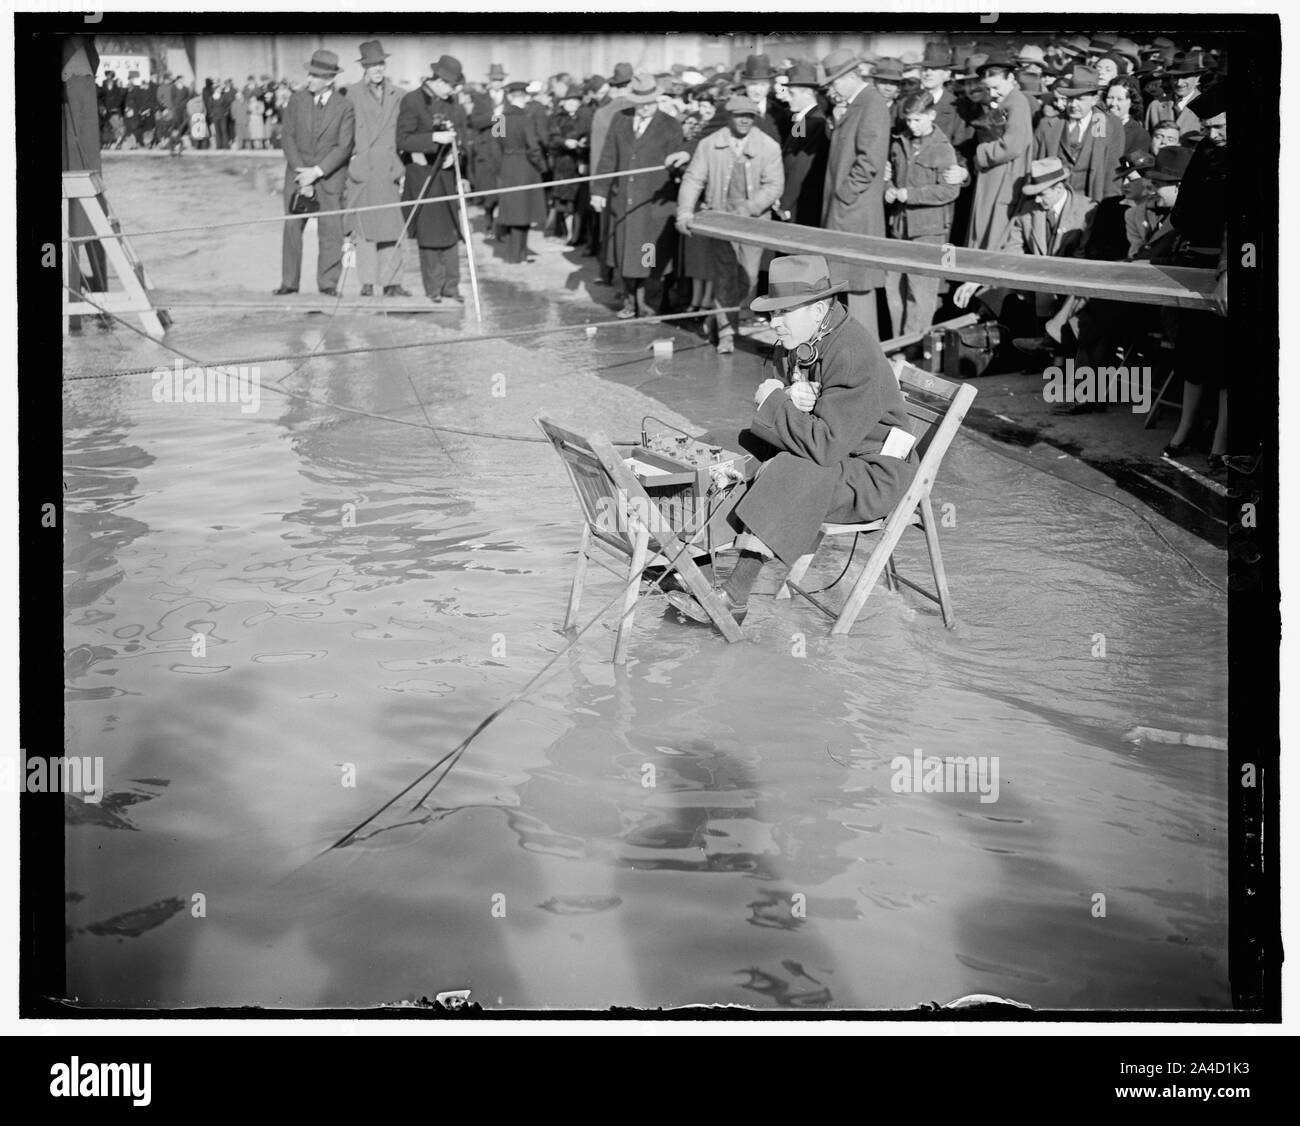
(324,64)
(794,280)
(448,69)
(644,88)
(973,64)
(839,61)
(516,87)
(593,84)
(622,74)
(1169,165)
(1077,45)
(1001,59)
(739,104)
(1104,41)
(757,68)
(888,70)
(496,73)
(1081,80)
(1185,64)
(1042,175)
(937,56)
(1127,48)
(1031,55)
(802,74)
(372,53)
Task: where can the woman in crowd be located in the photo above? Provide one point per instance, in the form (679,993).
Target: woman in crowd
(1125,103)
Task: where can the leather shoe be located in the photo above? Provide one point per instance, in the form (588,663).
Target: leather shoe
(687,605)
(367,291)
(283,290)
(395,291)
(329,292)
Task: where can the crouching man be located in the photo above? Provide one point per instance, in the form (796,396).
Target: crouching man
(821,431)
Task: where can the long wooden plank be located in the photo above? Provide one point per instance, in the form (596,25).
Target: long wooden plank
(1140,282)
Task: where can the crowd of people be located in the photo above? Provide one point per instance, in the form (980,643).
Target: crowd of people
(170,114)
(1097,147)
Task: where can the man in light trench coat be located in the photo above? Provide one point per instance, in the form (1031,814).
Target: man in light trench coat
(375,176)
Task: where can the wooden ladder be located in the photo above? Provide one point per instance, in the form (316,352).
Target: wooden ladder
(85,189)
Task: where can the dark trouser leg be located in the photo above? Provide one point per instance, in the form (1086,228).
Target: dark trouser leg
(450,256)
(329,261)
(291,252)
(430,271)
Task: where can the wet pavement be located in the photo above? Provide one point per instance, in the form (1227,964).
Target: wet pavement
(277,620)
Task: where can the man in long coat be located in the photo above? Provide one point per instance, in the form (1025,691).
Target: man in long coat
(522,164)
(429,120)
(375,175)
(805,150)
(601,120)
(319,125)
(1005,142)
(821,431)
(854,196)
(642,237)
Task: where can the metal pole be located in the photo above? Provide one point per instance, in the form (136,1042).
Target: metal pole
(464,226)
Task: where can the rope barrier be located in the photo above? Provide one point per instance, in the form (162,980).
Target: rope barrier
(291,356)
(540,186)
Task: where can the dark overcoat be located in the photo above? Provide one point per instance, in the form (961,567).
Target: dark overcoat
(436,225)
(826,465)
(521,163)
(641,207)
(854,196)
(485,147)
(803,156)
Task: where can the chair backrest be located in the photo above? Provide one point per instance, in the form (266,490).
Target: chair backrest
(936,407)
(603,501)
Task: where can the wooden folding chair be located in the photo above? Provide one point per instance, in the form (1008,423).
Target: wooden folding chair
(936,407)
(619,517)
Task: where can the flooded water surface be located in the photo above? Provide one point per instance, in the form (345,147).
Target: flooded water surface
(276,621)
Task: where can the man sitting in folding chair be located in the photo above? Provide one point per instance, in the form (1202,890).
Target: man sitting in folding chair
(832,433)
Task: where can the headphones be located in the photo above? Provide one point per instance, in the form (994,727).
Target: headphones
(808,354)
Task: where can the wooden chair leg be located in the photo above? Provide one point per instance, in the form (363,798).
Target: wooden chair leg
(875,565)
(640,553)
(579,577)
(891,575)
(800,567)
(936,560)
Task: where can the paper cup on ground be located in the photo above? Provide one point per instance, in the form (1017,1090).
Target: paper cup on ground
(663,348)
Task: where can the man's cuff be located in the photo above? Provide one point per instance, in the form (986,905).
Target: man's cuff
(319,174)
(771,397)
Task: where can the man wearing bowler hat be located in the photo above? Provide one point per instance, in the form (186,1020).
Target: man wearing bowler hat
(854,195)
(375,174)
(318,129)
(431,125)
(821,430)
(1087,140)
(773,116)
(805,151)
